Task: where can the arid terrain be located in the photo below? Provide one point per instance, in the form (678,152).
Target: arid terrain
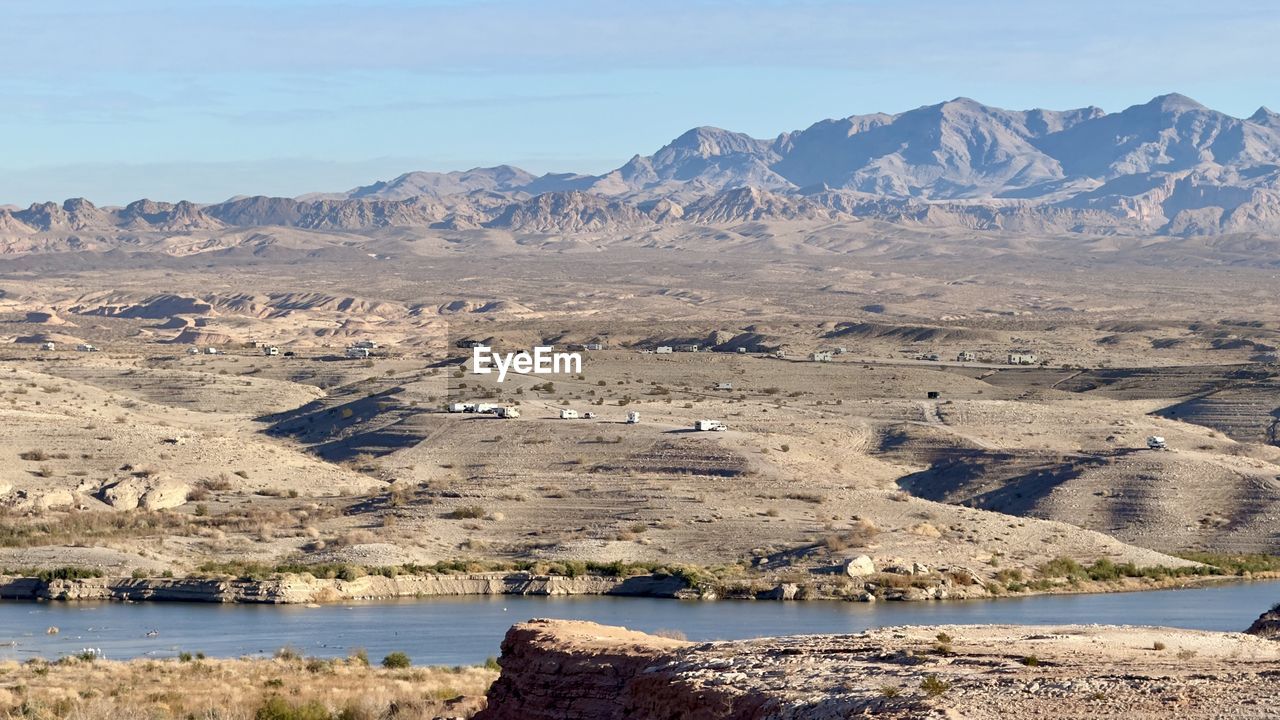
(145,459)
(562,670)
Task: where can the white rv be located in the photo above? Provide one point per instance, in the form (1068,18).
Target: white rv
(271,350)
(633,418)
(709,426)
(567,414)
(507,412)
(357,353)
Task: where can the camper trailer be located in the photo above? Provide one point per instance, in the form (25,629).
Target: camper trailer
(594,346)
(271,351)
(723,386)
(965,356)
(461,407)
(193,351)
(567,414)
(1022,358)
(1156,442)
(211,351)
(709,426)
(507,412)
(664,350)
(86,347)
(633,418)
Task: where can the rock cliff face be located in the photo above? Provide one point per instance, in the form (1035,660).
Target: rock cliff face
(1267,625)
(294,589)
(566,670)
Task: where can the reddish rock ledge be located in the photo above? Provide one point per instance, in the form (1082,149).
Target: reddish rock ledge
(568,670)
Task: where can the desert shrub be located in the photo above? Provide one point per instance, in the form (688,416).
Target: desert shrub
(396,661)
(277,708)
(466,512)
(34,455)
(933,686)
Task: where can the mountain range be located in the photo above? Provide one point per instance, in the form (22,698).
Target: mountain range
(1170,166)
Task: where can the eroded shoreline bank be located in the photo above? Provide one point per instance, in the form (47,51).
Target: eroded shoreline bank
(294,589)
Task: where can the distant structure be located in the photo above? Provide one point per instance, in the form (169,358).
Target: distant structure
(965,356)
(48,345)
(356,353)
(633,418)
(1156,442)
(367,344)
(839,350)
(933,394)
(86,347)
(193,351)
(211,351)
(724,386)
(594,346)
(709,426)
(507,412)
(1021,358)
(689,348)
(567,414)
(664,350)
(820,356)
(781,355)
(270,350)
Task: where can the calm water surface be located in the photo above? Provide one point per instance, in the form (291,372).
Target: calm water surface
(456,631)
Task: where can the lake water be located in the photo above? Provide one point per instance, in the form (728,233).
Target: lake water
(458,631)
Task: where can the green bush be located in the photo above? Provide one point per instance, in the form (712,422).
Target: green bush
(396,661)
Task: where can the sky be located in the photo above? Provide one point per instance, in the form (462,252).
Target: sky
(115,100)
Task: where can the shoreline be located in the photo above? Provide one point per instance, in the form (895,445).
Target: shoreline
(303,589)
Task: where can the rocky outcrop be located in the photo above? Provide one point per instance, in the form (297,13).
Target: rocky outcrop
(1268,624)
(299,589)
(148,493)
(568,670)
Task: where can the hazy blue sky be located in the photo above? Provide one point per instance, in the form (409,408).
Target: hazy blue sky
(202,99)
